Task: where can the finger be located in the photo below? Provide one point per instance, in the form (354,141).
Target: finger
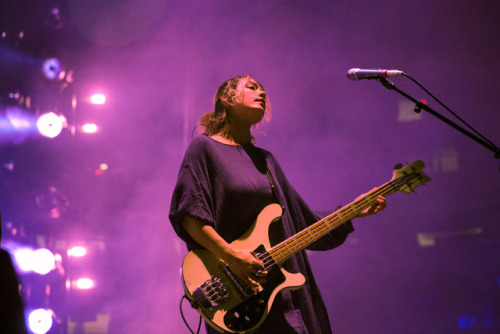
(252,282)
(257,268)
(260,273)
(260,280)
(259,265)
(260,276)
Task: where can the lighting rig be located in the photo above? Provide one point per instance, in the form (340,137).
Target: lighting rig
(58,267)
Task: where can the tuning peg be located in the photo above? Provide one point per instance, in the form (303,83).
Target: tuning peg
(398,166)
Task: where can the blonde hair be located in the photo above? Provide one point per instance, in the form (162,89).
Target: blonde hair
(228,94)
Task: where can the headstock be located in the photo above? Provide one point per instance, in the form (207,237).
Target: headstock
(405,179)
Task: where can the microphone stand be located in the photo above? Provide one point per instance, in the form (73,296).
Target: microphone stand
(421,106)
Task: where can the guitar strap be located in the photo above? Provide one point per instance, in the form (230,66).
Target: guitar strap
(259,153)
(274,187)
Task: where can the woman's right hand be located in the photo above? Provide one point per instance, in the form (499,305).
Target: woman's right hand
(246,265)
(243,263)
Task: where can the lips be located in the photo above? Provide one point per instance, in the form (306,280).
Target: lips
(261,101)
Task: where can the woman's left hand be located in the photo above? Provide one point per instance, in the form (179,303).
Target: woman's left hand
(379,205)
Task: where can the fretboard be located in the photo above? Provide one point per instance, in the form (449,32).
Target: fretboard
(282,251)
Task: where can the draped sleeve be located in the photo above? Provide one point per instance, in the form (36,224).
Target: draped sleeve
(192,193)
(300,213)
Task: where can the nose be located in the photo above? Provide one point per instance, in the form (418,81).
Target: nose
(262,93)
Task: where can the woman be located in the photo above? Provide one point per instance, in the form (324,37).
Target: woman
(223,184)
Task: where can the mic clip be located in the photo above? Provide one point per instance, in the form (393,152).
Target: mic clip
(418,107)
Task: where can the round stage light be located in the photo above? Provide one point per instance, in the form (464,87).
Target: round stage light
(43,261)
(40,321)
(23,258)
(50,125)
(51,68)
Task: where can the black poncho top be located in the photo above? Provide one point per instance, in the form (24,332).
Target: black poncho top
(226,186)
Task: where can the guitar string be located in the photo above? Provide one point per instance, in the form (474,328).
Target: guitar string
(326,223)
(283,250)
(315,230)
(279,252)
(271,260)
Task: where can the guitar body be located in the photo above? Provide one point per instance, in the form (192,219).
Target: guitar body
(223,300)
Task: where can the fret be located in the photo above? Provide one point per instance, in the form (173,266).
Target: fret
(342,218)
(310,233)
(349,212)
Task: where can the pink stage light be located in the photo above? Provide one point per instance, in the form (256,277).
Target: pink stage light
(102,168)
(77,251)
(98,99)
(89,128)
(83,283)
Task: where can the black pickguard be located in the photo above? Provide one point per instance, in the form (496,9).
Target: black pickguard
(248,313)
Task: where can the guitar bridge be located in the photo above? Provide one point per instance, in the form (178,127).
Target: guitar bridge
(211,293)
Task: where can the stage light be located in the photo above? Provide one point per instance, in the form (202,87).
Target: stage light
(40,261)
(23,258)
(466,322)
(18,120)
(43,261)
(102,168)
(89,128)
(50,125)
(98,99)
(51,68)
(83,283)
(40,321)
(77,251)
(52,202)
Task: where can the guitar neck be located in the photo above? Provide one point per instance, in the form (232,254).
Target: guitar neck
(282,251)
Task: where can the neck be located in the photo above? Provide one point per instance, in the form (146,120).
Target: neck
(236,135)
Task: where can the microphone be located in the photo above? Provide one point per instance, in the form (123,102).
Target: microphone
(358,74)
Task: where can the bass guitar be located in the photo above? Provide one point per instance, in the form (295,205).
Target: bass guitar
(227,303)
